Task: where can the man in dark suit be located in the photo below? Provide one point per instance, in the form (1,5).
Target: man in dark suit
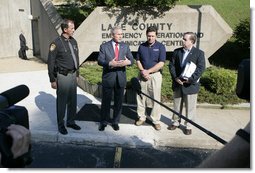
(114,56)
(186,87)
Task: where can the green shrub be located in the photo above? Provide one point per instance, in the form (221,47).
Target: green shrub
(166,90)
(217,84)
(219,80)
(91,72)
(132,71)
(205,96)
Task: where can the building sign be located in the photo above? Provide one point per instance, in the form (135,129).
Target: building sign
(137,34)
(212,31)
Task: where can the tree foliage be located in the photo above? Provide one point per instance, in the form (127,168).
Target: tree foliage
(234,51)
(80,9)
(137,3)
(242,33)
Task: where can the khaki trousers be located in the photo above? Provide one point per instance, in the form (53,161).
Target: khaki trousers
(151,87)
(190,102)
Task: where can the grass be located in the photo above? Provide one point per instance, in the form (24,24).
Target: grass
(232,11)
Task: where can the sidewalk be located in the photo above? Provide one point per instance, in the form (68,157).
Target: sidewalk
(41,106)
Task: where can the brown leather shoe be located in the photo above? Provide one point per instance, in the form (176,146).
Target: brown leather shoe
(157,126)
(172,127)
(139,122)
(187,131)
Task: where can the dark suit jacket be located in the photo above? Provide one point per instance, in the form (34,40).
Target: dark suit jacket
(197,57)
(110,75)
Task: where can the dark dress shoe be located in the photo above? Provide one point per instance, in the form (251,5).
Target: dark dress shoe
(74,126)
(172,127)
(101,127)
(187,131)
(115,127)
(62,130)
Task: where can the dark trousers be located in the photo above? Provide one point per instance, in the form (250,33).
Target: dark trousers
(66,98)
(106,104)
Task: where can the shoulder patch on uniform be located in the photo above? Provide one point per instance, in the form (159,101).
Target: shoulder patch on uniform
(52,47)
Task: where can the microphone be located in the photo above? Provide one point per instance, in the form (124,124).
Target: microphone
(13,96)
(137,87)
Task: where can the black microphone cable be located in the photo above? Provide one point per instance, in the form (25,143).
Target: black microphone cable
(137,87)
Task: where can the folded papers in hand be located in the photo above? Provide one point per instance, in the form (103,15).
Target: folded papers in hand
(189,69)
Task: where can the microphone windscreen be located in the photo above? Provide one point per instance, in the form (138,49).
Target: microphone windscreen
(16,94)
(136,85)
